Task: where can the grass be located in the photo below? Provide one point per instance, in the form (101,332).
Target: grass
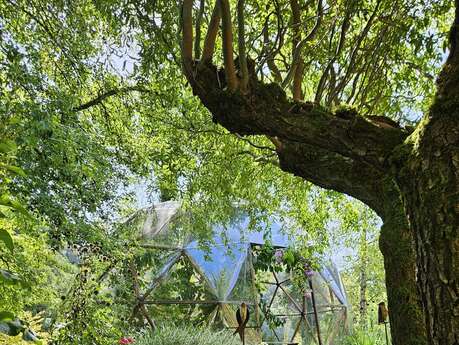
(187,335)
(369,337)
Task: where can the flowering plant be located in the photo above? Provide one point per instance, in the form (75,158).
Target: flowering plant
(126,340)
(278,255)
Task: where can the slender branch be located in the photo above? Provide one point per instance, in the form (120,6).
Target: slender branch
(300,46)
(241,45)
(197,40)
(260,147)
(298,75)
(352,60)
(187,37)
(230,70)
(339,48)
(99,99)
(270,55)
(211,36)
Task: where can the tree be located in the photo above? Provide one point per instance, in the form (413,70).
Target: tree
(410,178)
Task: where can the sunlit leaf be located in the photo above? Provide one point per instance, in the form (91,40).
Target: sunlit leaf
(6,315)
(6,238)
(16,170)
(7,146)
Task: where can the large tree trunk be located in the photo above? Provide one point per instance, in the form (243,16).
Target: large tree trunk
(429,181)
(427,172)
(396,243)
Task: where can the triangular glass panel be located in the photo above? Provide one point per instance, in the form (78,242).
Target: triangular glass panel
(181,292)
(219,264)
(245,289)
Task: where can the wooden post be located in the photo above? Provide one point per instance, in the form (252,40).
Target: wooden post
(316,316)
(140,300)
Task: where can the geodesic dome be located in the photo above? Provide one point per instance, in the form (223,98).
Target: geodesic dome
(224,270)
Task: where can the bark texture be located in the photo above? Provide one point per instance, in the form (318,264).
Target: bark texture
(396,244)
(429,180)
(427,171)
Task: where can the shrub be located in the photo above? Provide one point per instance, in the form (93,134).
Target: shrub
(369,337)
(188,335)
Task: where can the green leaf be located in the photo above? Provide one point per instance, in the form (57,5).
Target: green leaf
(6,315)
(7,146)
(7,239)
(7,201)
(15,169)
(289,257)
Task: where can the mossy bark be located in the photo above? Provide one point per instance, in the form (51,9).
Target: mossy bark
(426,168)
(427,171)
(396,243)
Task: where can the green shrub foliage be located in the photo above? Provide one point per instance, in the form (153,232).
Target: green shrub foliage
(188,335)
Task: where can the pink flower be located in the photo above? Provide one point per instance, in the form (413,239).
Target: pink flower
(278,255)
(309,273)
(126,340)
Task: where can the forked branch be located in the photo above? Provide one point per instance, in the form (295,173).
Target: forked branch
(241,45)
(299,47)
(211,36)
(230,70)
(197,40)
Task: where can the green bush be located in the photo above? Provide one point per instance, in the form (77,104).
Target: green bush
(188,335)
(369,337)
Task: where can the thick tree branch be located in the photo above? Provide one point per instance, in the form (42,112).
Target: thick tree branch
(99,99)
(211,36)
(241,45)
(197,40)
(227,29)
(267,111)
(187,37)
(332,171)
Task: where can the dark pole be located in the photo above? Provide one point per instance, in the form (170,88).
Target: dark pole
(316,316)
